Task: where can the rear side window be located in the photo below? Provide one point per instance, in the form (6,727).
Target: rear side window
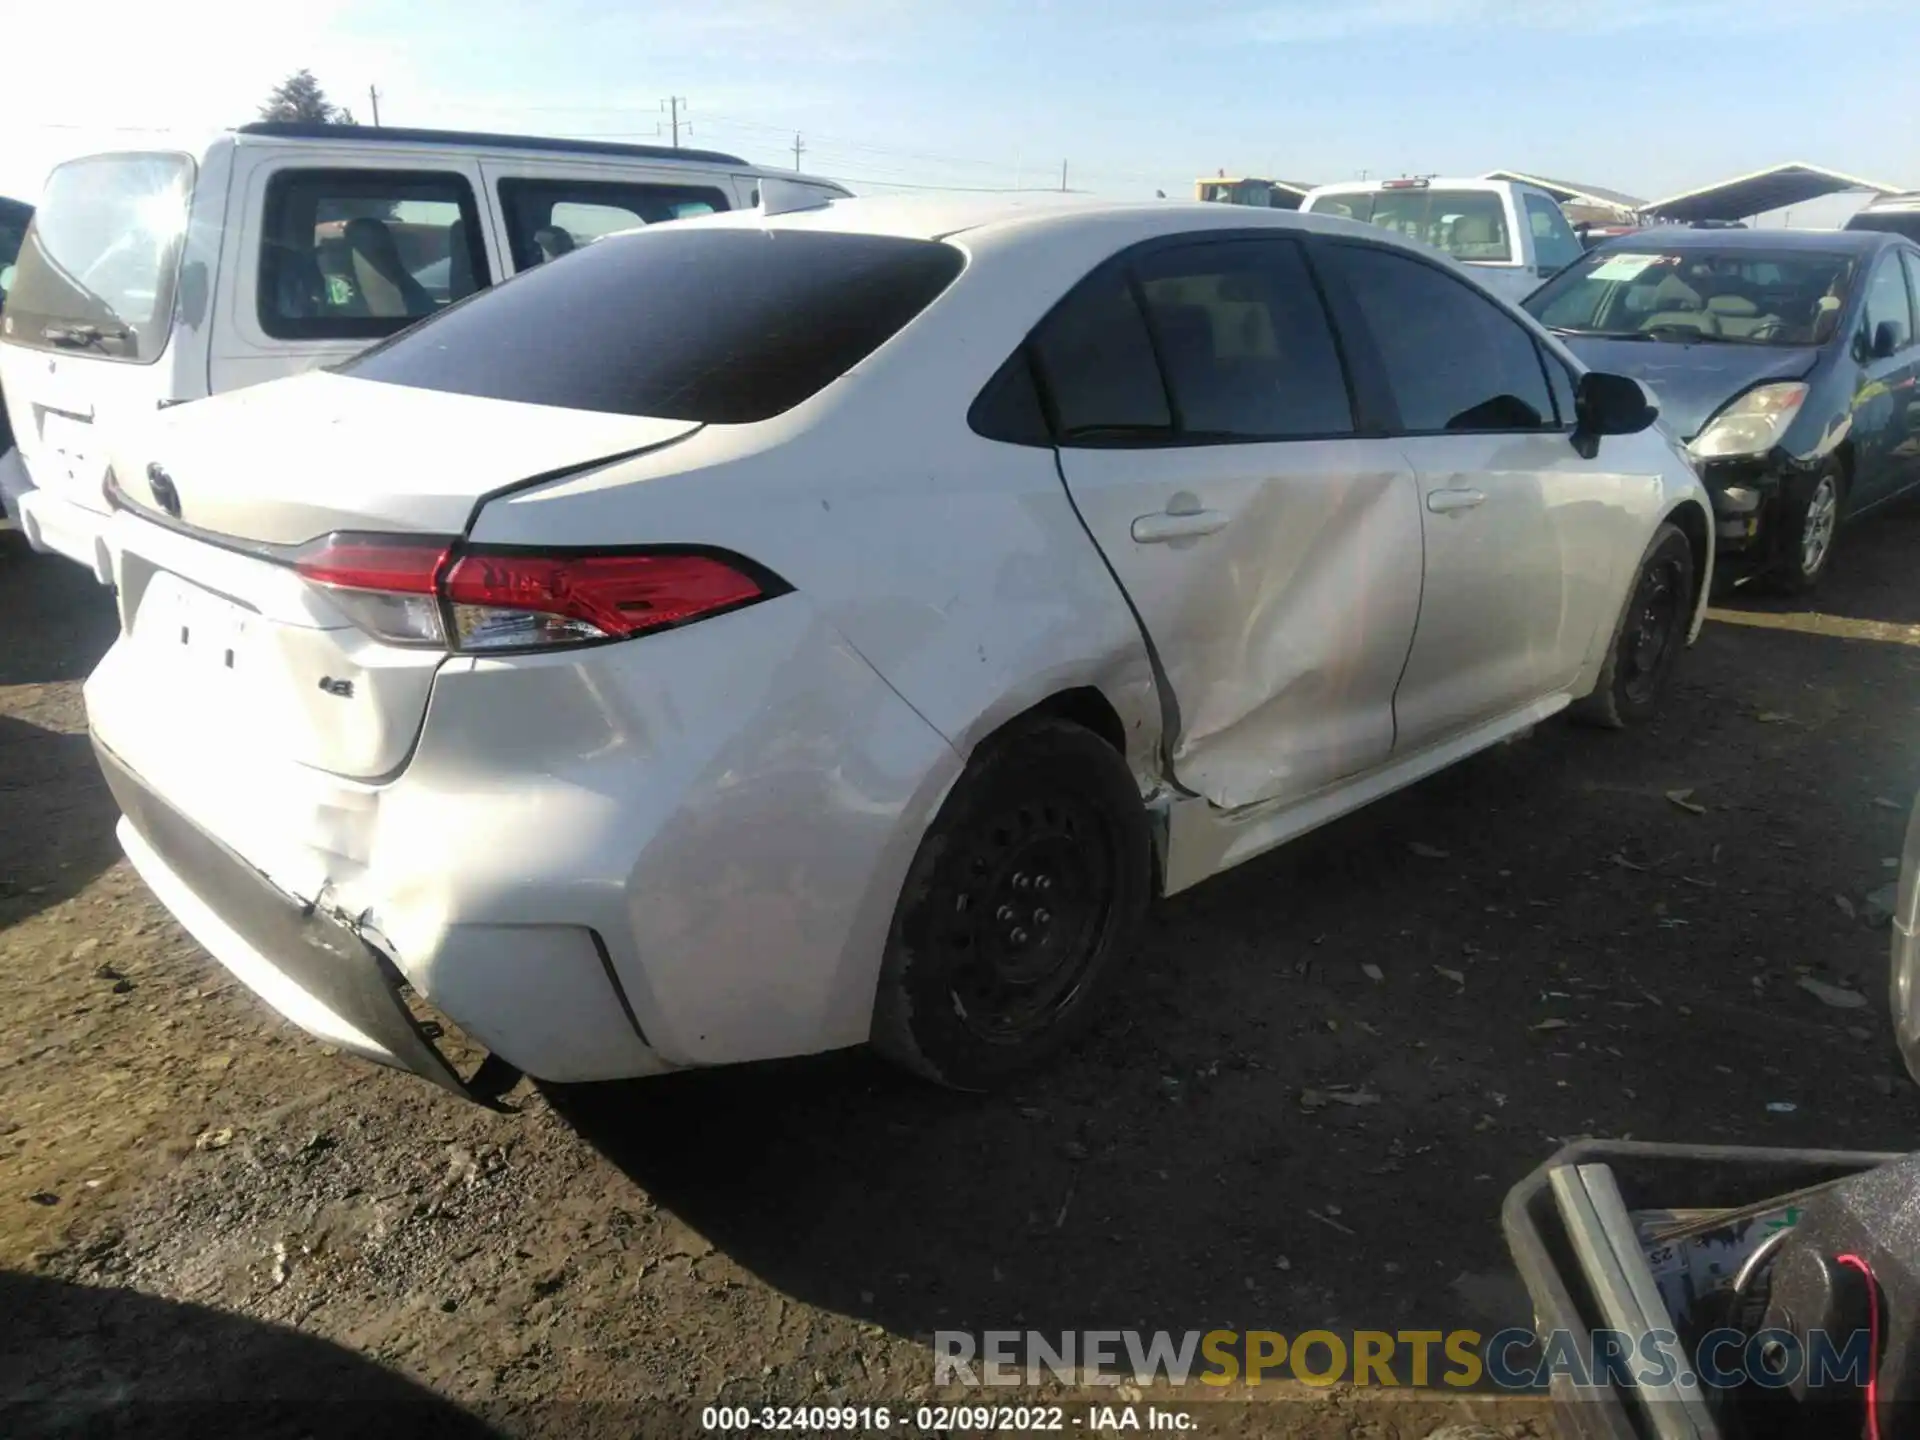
(1555,246)
(550,218)
(1467,224)
(1454,359)
(1248,351)
(96,271)
(1096,361)
(361,254)
(714,325)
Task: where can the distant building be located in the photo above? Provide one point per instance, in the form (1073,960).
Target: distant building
(1223,189)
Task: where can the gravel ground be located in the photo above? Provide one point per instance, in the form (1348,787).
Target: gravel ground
(209,1224)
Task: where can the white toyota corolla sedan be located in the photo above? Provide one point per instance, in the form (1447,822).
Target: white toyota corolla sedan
(782,631)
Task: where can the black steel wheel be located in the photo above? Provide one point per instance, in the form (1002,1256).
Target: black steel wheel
(1023,896)
(1651,633)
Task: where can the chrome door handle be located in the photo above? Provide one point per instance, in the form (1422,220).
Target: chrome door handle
(1446,502)
(1155,529)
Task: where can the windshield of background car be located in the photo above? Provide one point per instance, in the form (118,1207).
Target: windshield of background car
(1467,224)
(1735,296)
(720,326)
(96,271)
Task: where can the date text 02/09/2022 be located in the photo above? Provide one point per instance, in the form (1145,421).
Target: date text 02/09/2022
(941,1419)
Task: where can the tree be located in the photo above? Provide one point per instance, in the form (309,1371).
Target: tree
(299,98)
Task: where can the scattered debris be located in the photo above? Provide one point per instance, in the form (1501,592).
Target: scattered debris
(1454,975)
(1781,1107)
(1280,1262)
(1836,996)
(1429,852)
(1074,1151)
(1625,864)
(214,1139)
(279,1263)
(1329,1221)
(1373,972)
(85,948)
(1554,1024)
(1846,906)
(1684,799)
(44,1197)
(1773,717)
(106,972)
(1885,804)
(1881,903)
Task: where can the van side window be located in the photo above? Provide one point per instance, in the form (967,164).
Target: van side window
(362,254)
(547,218)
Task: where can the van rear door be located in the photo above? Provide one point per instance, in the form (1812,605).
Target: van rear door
(88,320)
(336,246)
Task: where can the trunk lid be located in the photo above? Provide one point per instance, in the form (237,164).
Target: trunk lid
(237,687)
(286,462)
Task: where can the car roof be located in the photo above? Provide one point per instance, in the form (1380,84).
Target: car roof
(942,217)
(1433,182)
(1852,242)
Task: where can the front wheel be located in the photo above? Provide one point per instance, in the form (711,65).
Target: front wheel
(1651,634)
(1022,900)
(1807,551)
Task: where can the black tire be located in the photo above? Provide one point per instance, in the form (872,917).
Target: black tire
(983,980)
(1648,637)
(1789,572)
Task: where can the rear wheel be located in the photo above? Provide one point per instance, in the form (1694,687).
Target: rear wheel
(1807,550)
(1651,634)
(1022,900)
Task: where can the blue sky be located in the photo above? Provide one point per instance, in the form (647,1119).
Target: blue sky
(1647,96)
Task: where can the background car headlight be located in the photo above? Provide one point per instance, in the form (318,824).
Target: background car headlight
(1752,424)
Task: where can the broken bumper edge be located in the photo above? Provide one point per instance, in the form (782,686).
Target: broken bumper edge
(314,968)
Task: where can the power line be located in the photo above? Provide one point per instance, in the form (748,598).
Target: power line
(799,149)
(672,106)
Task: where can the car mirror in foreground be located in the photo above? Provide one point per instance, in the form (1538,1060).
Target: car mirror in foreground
(1610,405)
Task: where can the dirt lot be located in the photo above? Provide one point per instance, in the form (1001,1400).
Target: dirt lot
(199,1204)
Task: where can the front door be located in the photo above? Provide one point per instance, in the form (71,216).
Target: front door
(1520,532)
(1208,442)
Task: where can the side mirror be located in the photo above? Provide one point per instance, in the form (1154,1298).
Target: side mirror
(1610,405)
(1886,339)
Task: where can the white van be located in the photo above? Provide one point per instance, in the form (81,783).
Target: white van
(152,278)
(1512,236)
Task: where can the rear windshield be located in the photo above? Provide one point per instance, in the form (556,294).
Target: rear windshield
(96,272)
(1467,224)
(1735,296)
(716,325)
(1893,222)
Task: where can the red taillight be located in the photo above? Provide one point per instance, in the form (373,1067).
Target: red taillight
(505,598)
(412,591)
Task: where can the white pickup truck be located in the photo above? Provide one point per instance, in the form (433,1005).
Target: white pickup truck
(1512,236)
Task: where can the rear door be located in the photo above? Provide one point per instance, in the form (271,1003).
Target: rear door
(88,324)
(1884,461)
(1522,536)
(548,208)
(336,248)
(1209,440)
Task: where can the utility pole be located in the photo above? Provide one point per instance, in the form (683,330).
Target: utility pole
(799,149)
(1063,177)
(373,98)
(672,106)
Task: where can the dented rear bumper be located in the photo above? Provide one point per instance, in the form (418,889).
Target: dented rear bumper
(316,968)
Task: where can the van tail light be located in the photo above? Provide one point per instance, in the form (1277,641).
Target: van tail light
(411,591)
